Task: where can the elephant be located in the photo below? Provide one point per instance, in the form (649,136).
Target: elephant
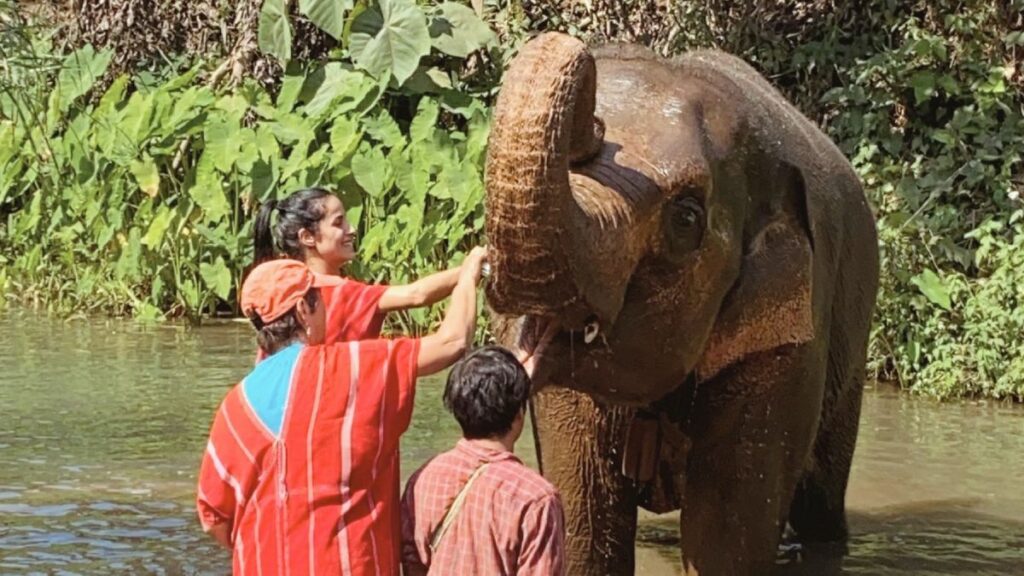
(704,262)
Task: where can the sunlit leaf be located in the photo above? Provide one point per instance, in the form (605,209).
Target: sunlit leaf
(291,129)
(345,137)
(221,144)
(369,169)
(458,31)
(79,72)
(208,192)
(342,90)
(328,15)
(217,277)
(390,40)
(934,288)
(422,126)
(113,96)
(291,86)
(146,176)
(384,129)
(275,32)
(248,150)
(158,227)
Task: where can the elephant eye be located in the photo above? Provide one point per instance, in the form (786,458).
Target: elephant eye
(684,225)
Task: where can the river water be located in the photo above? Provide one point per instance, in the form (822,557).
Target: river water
(102,424)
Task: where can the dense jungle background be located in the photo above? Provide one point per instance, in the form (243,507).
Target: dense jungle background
(137,137)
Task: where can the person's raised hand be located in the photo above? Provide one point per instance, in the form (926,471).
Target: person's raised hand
(473,265)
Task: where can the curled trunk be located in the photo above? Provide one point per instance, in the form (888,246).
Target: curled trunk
(544,120)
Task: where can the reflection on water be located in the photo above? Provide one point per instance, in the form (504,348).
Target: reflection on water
(102,425)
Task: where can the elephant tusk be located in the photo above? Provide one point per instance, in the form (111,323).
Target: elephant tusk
(591,330)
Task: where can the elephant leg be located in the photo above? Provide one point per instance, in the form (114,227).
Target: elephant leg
(752,431)
(580,442)
(818,512)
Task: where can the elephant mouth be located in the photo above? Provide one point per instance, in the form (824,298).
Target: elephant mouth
(547,345)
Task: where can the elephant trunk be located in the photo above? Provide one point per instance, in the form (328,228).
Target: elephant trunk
(544,121)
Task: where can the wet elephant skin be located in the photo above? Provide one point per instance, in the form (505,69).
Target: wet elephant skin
(718,251)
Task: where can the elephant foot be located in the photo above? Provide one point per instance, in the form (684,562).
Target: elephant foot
(816,514)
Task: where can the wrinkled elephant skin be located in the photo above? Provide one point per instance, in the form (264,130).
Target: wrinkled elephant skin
(712,264)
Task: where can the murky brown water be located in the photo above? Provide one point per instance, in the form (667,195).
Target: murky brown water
(102,425)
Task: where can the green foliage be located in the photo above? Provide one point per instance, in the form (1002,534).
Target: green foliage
(327,15)
(142,199)
(927,100)
(391,39)
(139,199)
(275,33)
(934,127)
(387,38)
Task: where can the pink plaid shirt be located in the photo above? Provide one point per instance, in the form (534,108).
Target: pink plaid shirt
(511,521)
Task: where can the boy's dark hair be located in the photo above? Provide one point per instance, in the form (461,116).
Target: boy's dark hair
(277,334)
(485,392)
(301,210)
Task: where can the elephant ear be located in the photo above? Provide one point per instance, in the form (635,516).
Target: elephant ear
(771,303)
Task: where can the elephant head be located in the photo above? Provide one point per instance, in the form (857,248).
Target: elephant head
(656,211)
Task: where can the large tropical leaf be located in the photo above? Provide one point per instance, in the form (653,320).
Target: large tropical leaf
(370,170)
(458,31)
(208,192)
(158,227)
(341,91)
(78,73)
(275,32)
(934,288)
(291,86)
(217,277)
(390,40)
(222,143)
(384,129)
(146,175)
(422,126)
(345,137)
(328,15)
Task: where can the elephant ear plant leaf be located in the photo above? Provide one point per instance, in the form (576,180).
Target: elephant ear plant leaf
(328,15)
(341,91)
(275,32)
(933,288)
(458,31)
(217,277)
(78,73)
(147,176)
(391,39)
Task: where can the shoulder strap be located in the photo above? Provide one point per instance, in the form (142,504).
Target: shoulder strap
(453,510)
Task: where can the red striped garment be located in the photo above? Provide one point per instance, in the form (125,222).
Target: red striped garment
(302,460)
(352,312)
(511,521)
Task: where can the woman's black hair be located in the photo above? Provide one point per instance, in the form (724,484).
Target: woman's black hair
(279,333)
(302,210)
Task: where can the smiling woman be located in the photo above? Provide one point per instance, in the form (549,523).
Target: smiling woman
(312,227)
